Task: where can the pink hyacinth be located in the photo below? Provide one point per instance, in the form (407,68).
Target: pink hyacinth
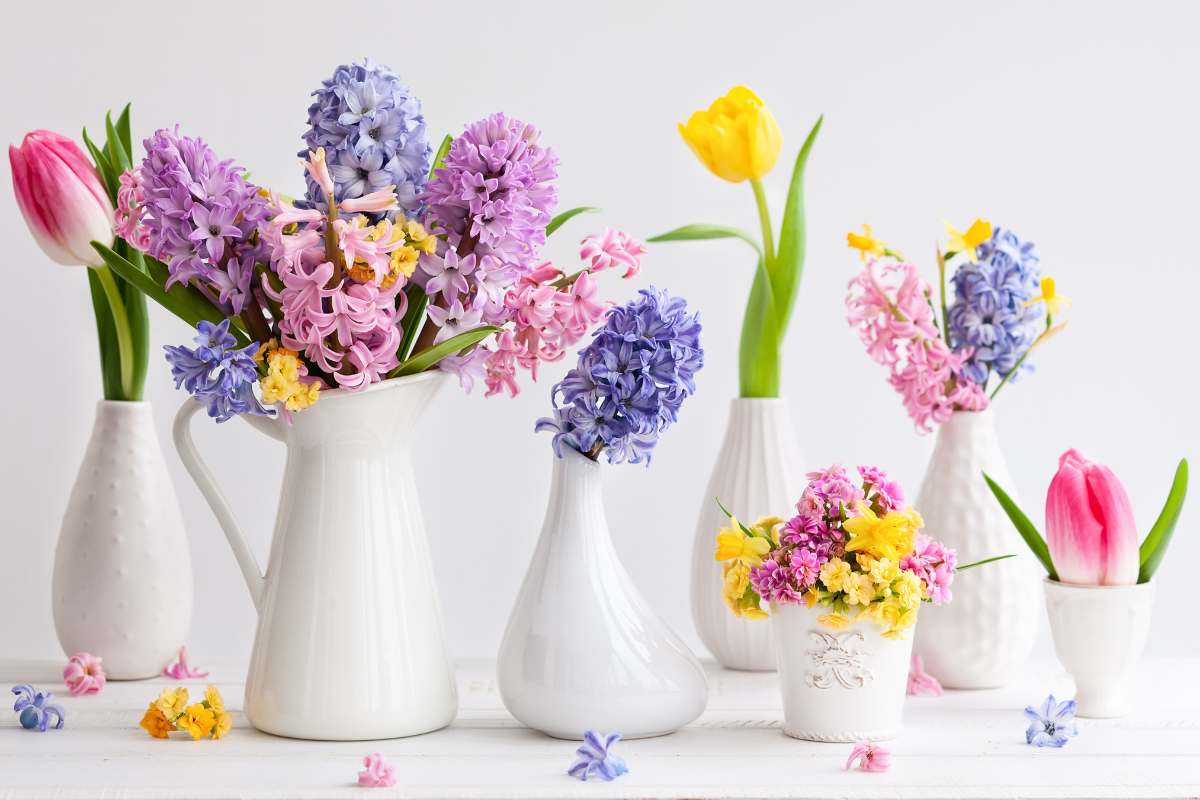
(919,682)
(871,757)
(378,772)
(891,307)
(613,248)
(131,198)
(83,675)
(182,670)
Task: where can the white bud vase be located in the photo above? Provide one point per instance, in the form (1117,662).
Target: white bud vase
(582,649)
(758,473)
(981,638)
(1099,632)
(122,585)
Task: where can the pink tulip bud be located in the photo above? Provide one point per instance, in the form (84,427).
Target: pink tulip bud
(62,198)
(1090,528)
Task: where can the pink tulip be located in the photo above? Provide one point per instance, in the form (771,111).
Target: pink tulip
(62,198)
(1090,528)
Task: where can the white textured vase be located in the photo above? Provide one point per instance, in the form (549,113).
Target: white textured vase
(582,649)
(982,638)
(758,473)
(349,644)
(1099,632)
(839,686)
(122,585)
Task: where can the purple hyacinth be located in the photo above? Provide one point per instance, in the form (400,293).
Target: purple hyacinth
(595,758)
(36,707)
(216,374)
(201,214)
(374,135)
(630,381)
(989,312)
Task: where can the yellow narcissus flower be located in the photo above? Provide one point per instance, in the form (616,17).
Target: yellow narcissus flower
(197,720)
(834,622)
(834,574)
(172,702)
(156,724)
(1050,297)
(737,138)
(977,234)
(732,543)
(889,536)
(223,726)
(865,243)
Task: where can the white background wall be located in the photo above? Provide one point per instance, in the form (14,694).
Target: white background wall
(1073,123)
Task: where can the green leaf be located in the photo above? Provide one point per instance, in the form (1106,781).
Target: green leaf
(558,220)
(985,561)
(432,355)
(789,265)
(692,232)
(1024,527)
(1155,546)
(411,323)
(116,153)
(103,167)
(745,530)
(110,360)
(139,320)
(123,132)
(439,160)
(758,353)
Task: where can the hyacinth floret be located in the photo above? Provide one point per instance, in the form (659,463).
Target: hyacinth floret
(216,373)
(989,316)
(374,135)
(630,381)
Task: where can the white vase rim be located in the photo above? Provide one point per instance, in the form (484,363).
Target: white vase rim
(103,403)
(390,383)
(756,400)
(1094,587)
(577,454)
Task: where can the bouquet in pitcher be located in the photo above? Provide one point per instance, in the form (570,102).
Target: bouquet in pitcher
(396,259)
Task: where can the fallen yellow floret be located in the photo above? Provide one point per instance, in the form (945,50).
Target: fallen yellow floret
(156,724)
(834,622)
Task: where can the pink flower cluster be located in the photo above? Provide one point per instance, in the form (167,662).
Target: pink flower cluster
(128,215)
(83,675)
(901,333)
(933,563)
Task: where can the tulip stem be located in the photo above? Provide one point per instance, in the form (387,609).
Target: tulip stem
(121,323)
(764,215)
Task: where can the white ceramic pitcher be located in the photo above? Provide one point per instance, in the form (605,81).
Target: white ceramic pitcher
(350,643)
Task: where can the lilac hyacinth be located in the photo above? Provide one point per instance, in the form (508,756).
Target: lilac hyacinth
(989,312)
(630,381)
(1051,725)
(374,135)
(216,373)
(595,758)
(37,707)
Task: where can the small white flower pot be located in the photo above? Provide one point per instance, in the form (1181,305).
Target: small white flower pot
(839,686)
(1099,632)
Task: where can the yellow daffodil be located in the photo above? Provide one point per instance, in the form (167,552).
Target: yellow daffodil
(732,543)
(197,720)
(172,702)
(888,536)
(834,622)
(737,138)
(977,234)
(859,589)
(865,243)
(223,725)
(214,699)
(834,574)
(156,724)
(1049,296)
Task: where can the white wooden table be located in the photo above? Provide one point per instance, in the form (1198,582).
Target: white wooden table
(962,745)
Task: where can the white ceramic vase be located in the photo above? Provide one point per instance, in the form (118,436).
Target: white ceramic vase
(122,585)
(839,686)
(758,473)
(1099,632)
(349,644)
(982,638)
(582,649)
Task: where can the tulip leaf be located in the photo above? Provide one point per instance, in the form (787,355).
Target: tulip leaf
(439,160)
(432,355)
(410,325)
(692,232)
(1155,546)
(123,132)
(116,152)
(139,320)
(110,361)
(103,167)
(1024,527)
(984,561)
(789,265)
(758,354)
(560,219)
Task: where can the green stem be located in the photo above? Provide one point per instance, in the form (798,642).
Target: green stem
(764,215)
(121,322)
(1016,367)
(942,292)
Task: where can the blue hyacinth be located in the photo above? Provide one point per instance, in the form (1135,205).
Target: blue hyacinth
(1051,725)
(989,312)
(594,758)
(630,381)
(374,135)
(216,374)
(36,707)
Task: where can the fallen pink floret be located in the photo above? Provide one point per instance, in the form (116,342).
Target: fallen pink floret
(83,675)
(919,682)
(378,772)
(182,670)
(871,757)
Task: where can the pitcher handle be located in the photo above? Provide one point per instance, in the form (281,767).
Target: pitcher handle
(182,433)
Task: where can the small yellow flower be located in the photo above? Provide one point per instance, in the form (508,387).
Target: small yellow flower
(859,589)
(904,618)
(223,726)
(977,234)
(1049,296)
(910,589)
(404,260)
(361,272)
(732,543)
(156,724)
(894,635)
(197,720)
(282,382)
(883,571)
(737,578)
(865,243)
(172,702)
(737,138)
(811,597)
(835,574)
(215,701)
(834,622)
(420,238)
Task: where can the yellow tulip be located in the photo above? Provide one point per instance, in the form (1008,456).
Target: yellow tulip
(737,137)
(977,234)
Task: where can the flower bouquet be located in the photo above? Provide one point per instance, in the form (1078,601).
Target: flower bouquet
(737,139)
(1099,587)
(846,576)
(582,648)
(948,361)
